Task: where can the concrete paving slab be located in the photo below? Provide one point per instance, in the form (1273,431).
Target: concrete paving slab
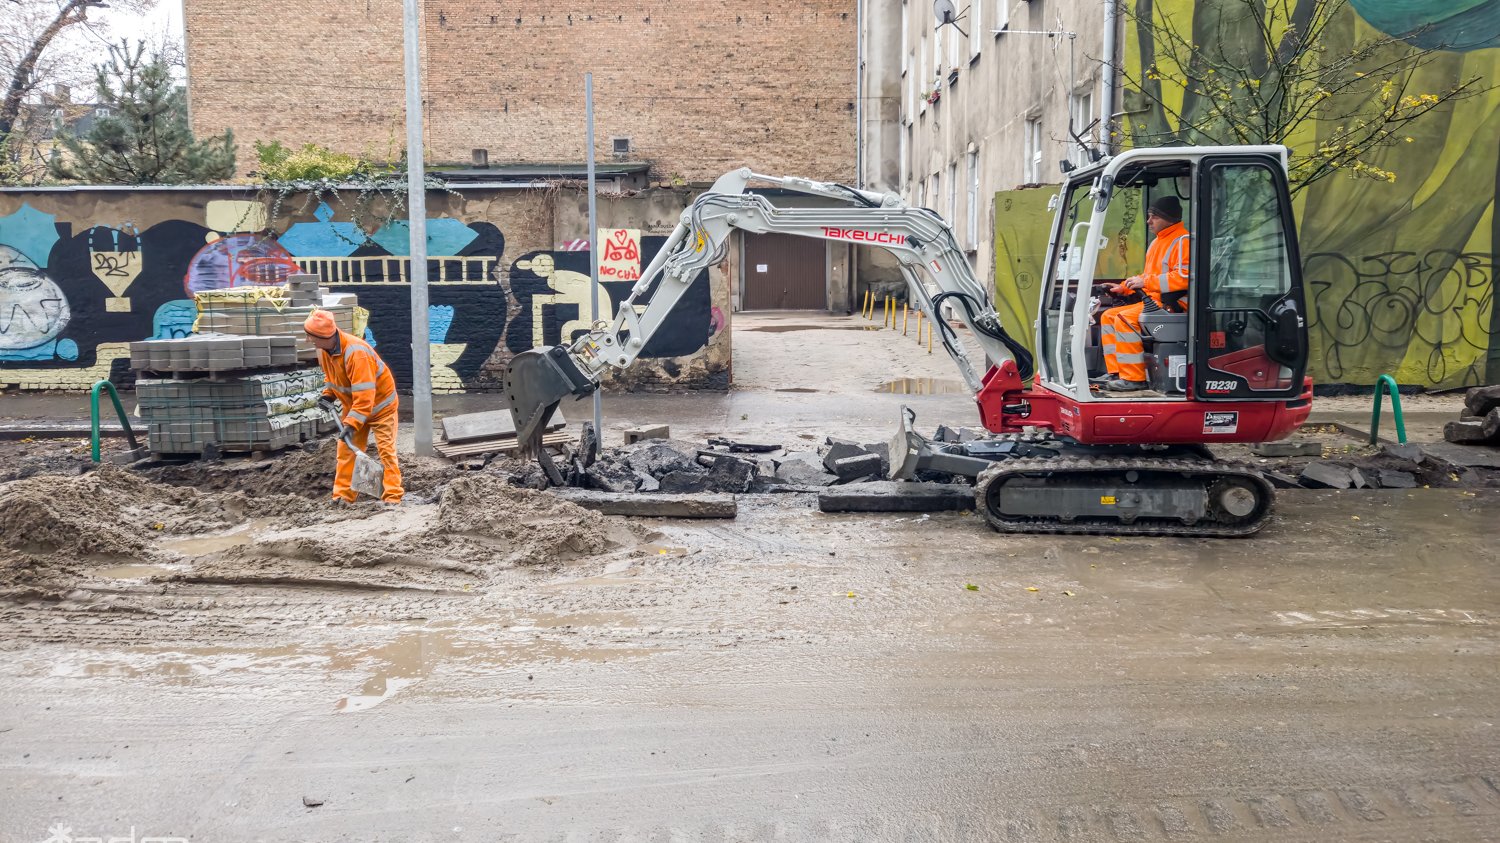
(897,496)
(653,505)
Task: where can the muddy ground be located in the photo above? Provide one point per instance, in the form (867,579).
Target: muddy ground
(216,652)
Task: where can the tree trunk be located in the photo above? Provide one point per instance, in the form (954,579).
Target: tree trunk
(20,81)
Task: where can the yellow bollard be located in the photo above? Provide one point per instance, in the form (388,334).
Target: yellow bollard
(869,307)
(905,315)
(888,313)
(929,337)
(920,316)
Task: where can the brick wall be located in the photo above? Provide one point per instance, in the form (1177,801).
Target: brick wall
(698,87)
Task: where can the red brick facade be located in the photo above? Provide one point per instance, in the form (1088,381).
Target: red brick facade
(698,87)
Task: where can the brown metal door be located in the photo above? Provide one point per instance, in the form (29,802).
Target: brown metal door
(785,272)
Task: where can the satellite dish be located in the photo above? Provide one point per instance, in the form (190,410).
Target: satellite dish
(948,15)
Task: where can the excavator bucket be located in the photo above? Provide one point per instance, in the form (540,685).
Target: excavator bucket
(535,382)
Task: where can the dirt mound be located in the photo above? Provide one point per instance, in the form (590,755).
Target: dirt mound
(535,527)
(308,474)
(103,512)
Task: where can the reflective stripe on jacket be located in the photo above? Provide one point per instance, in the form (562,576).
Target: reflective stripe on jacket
(359,379)
(1167,262)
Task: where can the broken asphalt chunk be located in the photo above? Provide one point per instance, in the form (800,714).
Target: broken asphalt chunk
(1326,475)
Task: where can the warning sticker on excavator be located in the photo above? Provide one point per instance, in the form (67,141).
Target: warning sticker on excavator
(1107,500)
(1221,422)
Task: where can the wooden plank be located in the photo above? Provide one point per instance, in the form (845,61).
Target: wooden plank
(506,444)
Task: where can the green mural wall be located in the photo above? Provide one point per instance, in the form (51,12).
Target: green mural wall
(1401,275)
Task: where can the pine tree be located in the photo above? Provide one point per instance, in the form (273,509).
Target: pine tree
(144,136)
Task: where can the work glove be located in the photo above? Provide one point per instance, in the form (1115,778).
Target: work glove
(329,406)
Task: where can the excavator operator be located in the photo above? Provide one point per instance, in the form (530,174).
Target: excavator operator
(1165,277)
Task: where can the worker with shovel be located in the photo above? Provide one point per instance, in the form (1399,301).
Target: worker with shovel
(364,387)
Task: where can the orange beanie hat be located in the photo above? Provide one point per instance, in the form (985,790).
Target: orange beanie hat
(320,324)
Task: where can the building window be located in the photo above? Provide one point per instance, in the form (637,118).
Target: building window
(936,193)
(953,45)
(953,193)
(922,193)
(902,153)
(920,72)
(905,38)
(1081,112)
(1002,16)
(621,146)
(1033,151)
(973,209)
(976,30)
(911,88)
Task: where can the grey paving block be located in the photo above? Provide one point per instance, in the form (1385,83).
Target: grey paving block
(642,505)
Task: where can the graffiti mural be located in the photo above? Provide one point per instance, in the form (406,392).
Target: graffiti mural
(1400,275)
(75,293)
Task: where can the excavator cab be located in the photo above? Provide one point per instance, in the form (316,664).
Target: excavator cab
(1237,334)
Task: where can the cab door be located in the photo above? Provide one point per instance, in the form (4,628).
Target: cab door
(1249,325)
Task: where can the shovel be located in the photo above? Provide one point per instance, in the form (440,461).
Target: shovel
(369,474)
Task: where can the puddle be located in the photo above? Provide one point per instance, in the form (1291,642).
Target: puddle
(135,572)
(216,542)
(798,389)
(922,386)
(378,691)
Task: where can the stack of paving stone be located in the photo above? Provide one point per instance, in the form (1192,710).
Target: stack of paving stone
(257,412)
(1479,423)
(213,353)
(273,311)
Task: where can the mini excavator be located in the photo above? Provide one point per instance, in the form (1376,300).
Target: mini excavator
(1228,364)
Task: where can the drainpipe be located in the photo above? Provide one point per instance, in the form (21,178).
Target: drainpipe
(859,99)
(1107,99)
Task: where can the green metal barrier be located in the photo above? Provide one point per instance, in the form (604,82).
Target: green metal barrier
(119,411)
(1389,384)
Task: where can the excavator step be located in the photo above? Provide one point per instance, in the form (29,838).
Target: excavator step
(1125,495)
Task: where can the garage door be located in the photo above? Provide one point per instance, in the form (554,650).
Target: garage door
(783,272)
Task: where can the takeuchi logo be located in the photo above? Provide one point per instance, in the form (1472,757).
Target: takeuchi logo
(864,236)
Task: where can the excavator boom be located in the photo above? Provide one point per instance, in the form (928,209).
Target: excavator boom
(935,269)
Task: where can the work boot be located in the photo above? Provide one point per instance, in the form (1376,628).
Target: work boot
(1122,385)
(1104,378)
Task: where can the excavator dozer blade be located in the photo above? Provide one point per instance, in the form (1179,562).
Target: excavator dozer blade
(535,382)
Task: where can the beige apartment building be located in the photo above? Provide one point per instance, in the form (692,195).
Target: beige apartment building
(956,116)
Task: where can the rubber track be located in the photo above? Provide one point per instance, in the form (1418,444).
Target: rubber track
(1109,527)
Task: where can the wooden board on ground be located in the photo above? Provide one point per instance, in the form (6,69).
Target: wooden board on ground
(503,445)
(492,424)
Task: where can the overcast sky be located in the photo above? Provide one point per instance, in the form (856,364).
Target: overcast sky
(164,22)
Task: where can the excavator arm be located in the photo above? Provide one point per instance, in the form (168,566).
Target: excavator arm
(923,243)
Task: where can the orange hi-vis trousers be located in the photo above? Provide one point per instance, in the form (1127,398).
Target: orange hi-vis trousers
(384,428)
(1120,332)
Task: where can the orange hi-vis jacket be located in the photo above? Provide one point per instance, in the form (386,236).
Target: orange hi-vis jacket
(1166,268)
(360,380)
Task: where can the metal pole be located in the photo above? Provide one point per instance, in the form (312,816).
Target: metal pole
(416,205)
(594,244)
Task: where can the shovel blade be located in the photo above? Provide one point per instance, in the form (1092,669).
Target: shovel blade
(535,381)
(369,475)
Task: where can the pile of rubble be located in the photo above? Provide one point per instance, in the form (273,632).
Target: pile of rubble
(1479,424)
(675,467)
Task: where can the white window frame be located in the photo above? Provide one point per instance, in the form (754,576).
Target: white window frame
(1002,16)
(953,46)
(973,198)
(1080,112)
(976,30)
(905,36)
(920,72)
(937,55)
(1032,150)
(953,193)
(937,188)
(904,150)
